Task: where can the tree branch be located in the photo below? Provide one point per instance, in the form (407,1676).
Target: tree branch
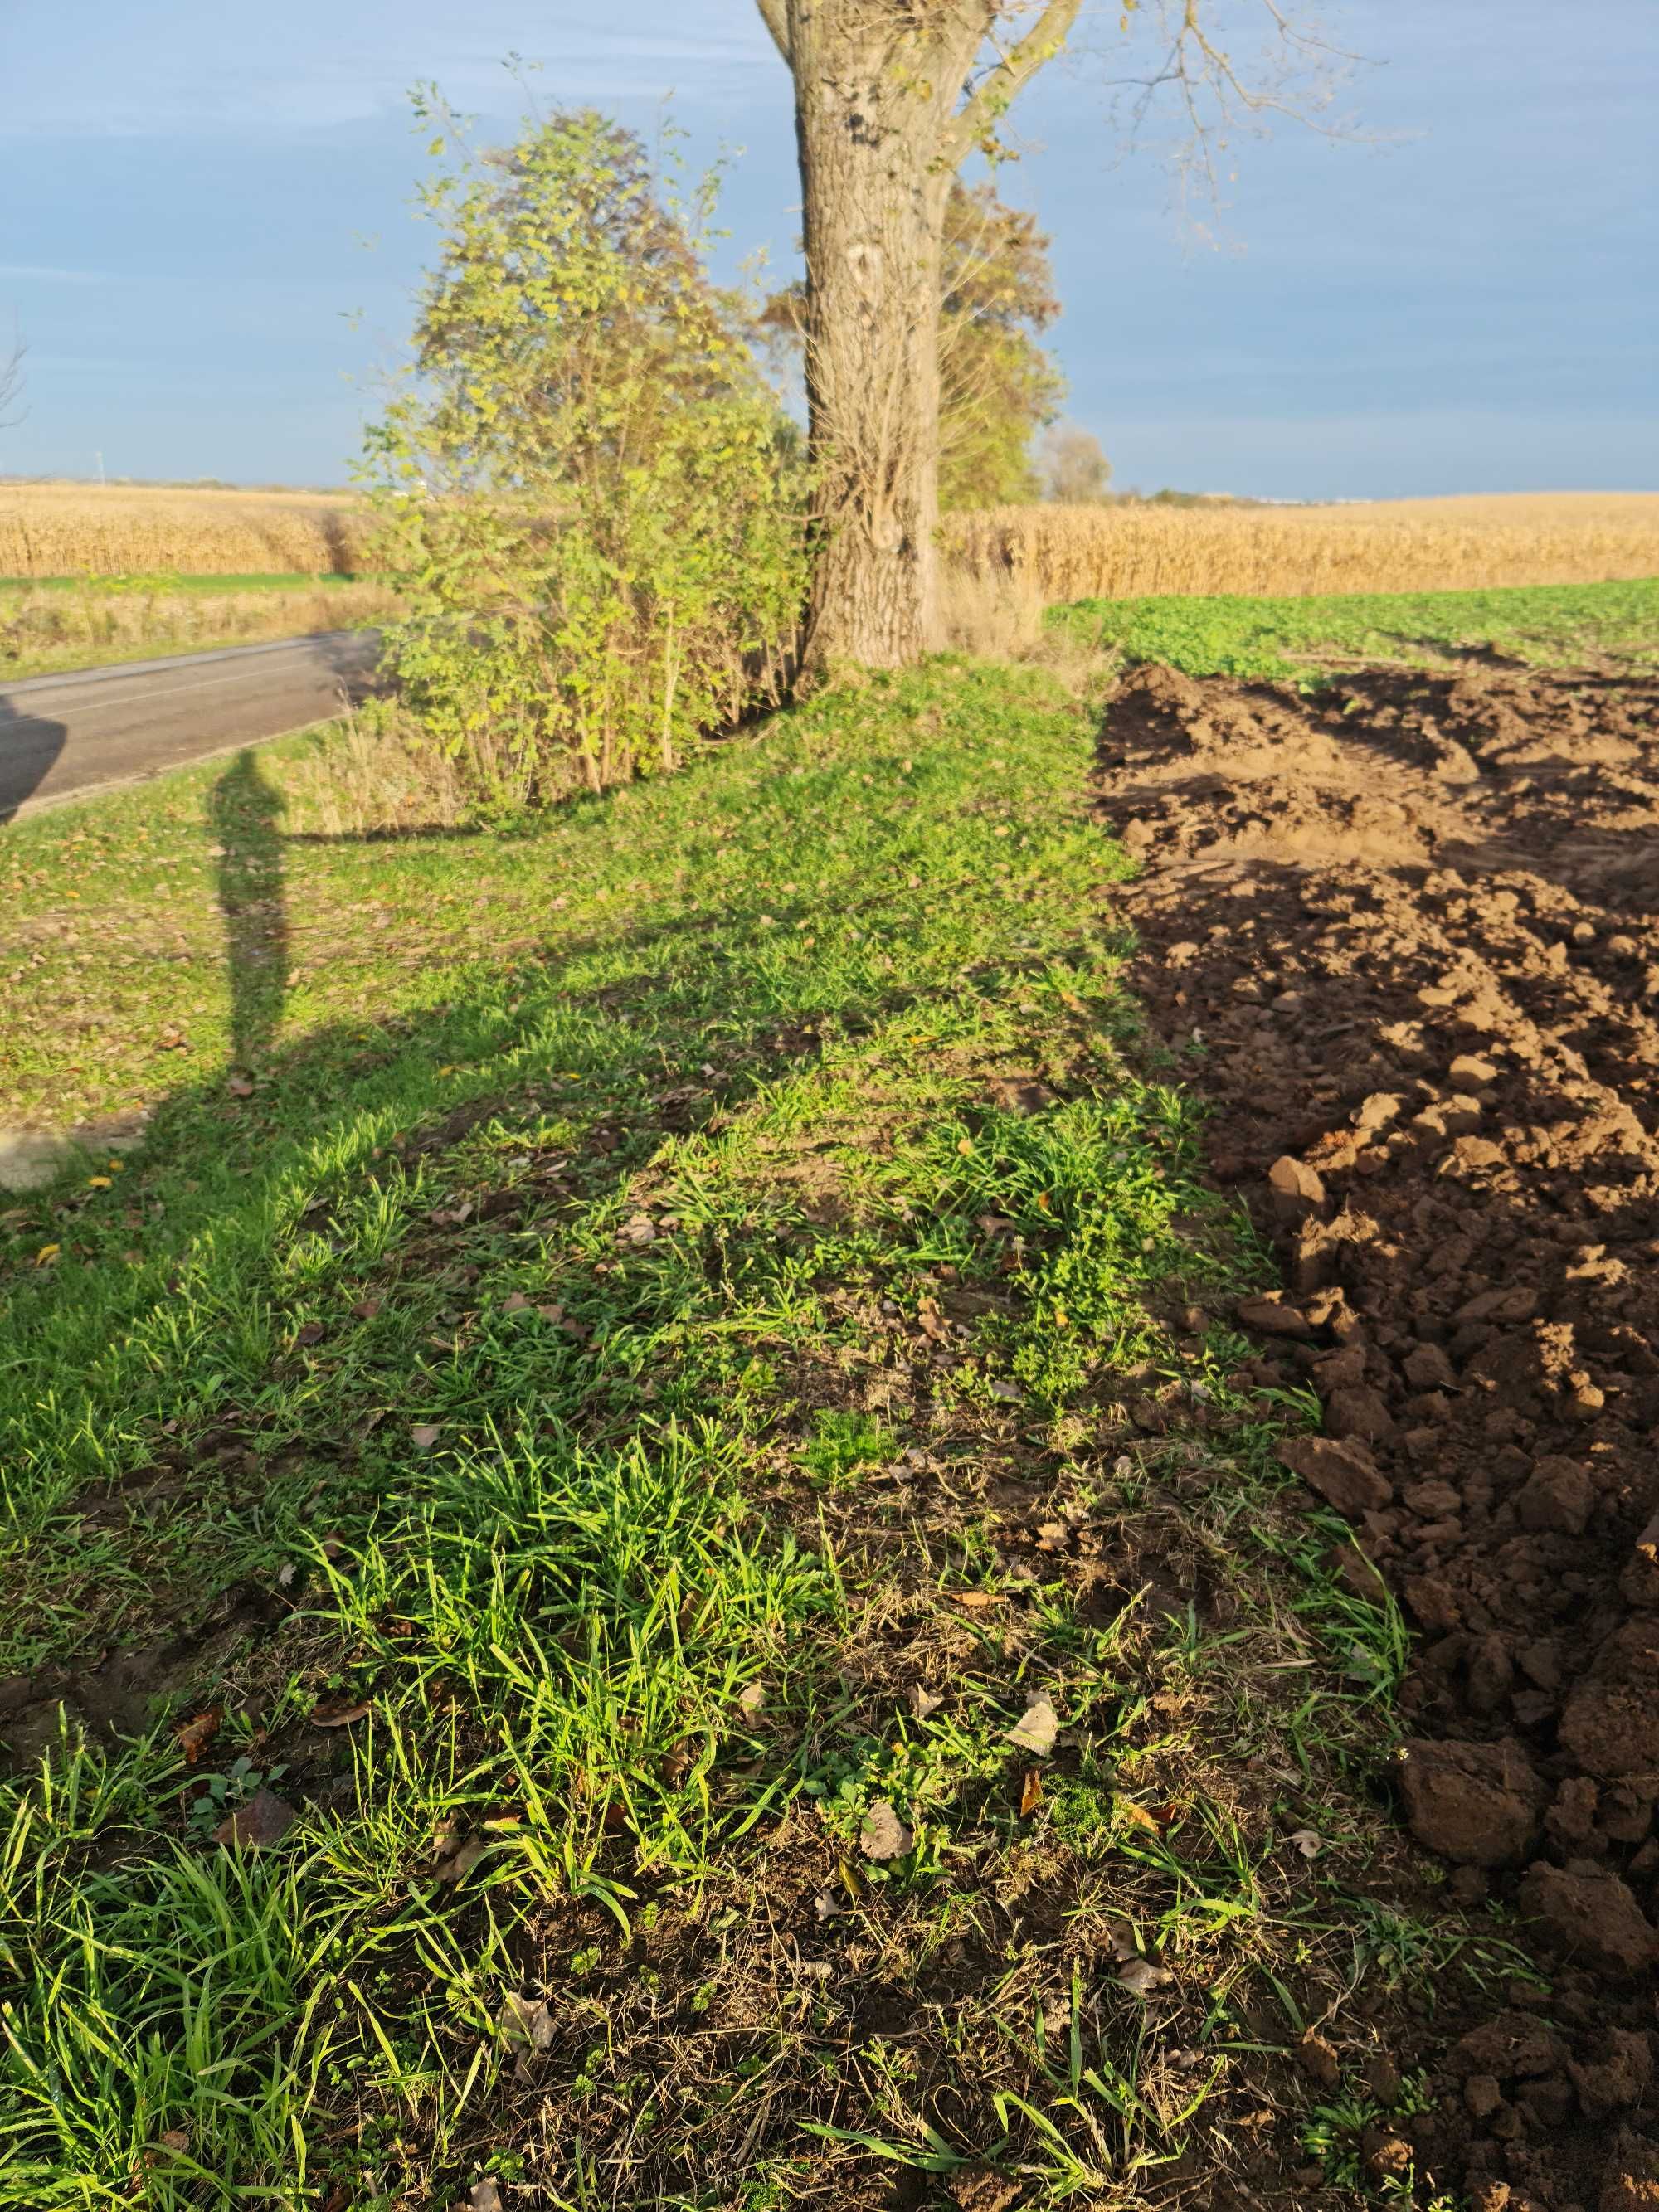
(995,94)
(11,383)
(774,14)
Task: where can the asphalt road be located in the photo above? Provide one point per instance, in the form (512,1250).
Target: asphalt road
(61,737)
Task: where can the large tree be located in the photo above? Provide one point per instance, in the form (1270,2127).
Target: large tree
(997,385)
(891,97)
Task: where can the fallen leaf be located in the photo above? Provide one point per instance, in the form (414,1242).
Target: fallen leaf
(195,1735)
(1140,1977)
(1138,1813)
(1309,1842)
(525,2024)
(515,1302)
(326,1716)
(932,1322)
(263,1821)
(485,2198)
(551,1313)
(752,1697)
(1030,1792)
(239,1087)
(975,1601)
(425,1436)
(311,1334)
(827,1905)
(923,1703)
(47,1254)
(1036,1728)
(456,1865)
(884,1835)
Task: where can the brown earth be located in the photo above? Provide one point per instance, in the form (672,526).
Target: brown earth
(1405,936)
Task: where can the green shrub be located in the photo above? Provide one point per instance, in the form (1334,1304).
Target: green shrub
(585,487)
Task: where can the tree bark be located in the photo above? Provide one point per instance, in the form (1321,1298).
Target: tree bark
(876,90)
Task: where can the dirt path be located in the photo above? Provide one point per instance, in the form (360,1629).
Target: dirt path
(1405,936)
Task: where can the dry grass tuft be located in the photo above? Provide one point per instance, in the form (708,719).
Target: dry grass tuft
(366,777)
(995,613)
(119,530)
(1061,553)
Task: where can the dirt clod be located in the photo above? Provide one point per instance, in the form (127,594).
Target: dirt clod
(1558,1495)
(1343,1472)
(1617,2077)
(1478,1803)
(1591,1914)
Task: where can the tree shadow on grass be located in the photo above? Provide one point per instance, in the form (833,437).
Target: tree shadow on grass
(215,1192)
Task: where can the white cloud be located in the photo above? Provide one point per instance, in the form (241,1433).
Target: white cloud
(27,273)
(193,69)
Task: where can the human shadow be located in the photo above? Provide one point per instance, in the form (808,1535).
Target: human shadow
(29,747)
(243,813)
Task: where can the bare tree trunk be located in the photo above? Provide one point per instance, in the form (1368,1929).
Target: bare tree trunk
(873,104)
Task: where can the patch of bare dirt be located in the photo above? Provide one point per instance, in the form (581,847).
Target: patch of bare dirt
(1405,935)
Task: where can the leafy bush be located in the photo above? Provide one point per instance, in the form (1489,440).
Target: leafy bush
(585,488)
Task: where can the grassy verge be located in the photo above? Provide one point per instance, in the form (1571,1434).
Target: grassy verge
(658,1421)
(70,623)
(1543,625)
(165,580)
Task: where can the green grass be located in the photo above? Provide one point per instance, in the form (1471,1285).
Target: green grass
(1540,624)
(681,1318)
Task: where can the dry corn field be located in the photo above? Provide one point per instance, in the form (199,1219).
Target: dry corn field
(1056,554)
(125,530)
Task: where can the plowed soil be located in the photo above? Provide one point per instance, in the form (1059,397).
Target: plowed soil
(1405,935)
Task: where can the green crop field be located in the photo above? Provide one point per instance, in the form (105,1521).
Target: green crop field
(1543,623)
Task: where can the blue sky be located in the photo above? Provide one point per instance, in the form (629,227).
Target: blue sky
(206,236)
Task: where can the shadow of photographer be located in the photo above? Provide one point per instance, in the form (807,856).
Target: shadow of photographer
(243,812)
